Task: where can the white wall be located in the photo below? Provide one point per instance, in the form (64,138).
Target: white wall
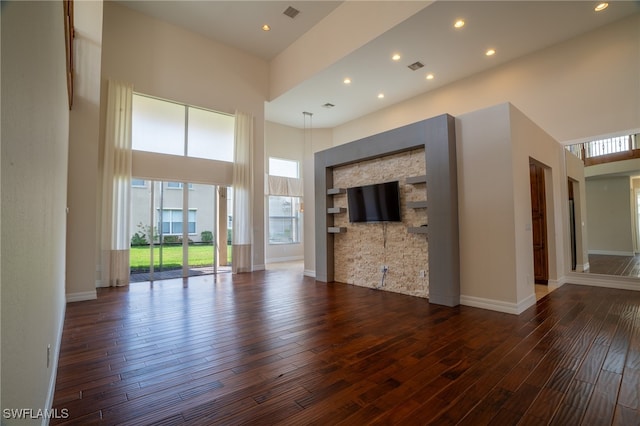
(494,147)
(287,143)
(295,144)
(168,62)
(84,119)
(609,212)
(532,142)
(584,87)
(486,207)
(35,133)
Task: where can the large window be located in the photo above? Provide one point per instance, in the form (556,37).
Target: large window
(284,168)
(170,128)
(284,207)
(284,219)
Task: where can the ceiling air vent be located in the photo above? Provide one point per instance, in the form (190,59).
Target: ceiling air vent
(291,12)
(328,105)
(416,66)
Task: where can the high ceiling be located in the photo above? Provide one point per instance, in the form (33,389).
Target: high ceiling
(512,28)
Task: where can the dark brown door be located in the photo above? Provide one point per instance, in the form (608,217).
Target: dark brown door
(539,223)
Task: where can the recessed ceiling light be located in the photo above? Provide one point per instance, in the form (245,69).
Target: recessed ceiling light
(490,52)
(430,77)
(396,57)
(347,80)
(266,27)
(601,6)
(380,95)
(459,23)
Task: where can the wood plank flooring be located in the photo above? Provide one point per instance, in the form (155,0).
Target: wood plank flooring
(625,266)
(274,347)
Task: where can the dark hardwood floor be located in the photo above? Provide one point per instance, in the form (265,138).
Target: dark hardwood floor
(276,348)
(625,266)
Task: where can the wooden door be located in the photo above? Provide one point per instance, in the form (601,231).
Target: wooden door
(539,223)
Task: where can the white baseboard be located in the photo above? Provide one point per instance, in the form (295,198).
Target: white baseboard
(499,305)
(554,284)
(258,268)
(309,273)
(582,268)
(612,252)
(82,296)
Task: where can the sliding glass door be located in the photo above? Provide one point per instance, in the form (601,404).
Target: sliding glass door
(175,230)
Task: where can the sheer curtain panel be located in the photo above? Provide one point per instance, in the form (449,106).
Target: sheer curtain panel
(242,194)
(116,186)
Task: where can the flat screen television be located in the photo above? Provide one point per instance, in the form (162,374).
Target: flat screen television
(374,203)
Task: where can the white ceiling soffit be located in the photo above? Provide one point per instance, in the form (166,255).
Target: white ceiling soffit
(513,28)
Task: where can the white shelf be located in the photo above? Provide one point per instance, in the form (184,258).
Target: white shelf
(334,210)
(336,191)
(336,230)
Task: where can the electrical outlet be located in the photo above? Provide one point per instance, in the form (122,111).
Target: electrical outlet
(422,273)
(384,268)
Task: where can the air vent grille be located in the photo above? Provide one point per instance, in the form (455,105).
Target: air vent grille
(291,12)
(416,66)
(328,105)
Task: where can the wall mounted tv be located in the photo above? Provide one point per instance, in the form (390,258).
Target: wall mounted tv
(374,203)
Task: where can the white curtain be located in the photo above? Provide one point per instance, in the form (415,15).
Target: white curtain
(279,185)
(116,186)
(242,194)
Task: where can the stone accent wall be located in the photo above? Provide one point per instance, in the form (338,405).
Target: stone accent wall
(366,247)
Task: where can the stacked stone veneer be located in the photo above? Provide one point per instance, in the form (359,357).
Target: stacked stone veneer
(360,252)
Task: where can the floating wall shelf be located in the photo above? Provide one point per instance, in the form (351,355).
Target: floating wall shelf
(416,204)
(336,230)
(417,179)
(334,210)
(336,191)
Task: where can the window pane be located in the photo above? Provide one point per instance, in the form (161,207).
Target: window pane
(157,126)
(138,182)
(177,227)
(211,135)
(283,220)
(280,167)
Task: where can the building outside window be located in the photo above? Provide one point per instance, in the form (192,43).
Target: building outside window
(172,222)
(284,219)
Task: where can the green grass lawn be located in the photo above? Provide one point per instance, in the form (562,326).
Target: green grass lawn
(199,256)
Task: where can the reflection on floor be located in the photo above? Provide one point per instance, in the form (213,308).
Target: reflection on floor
(292,265)
(626,266)
(175,273)
(542,290)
